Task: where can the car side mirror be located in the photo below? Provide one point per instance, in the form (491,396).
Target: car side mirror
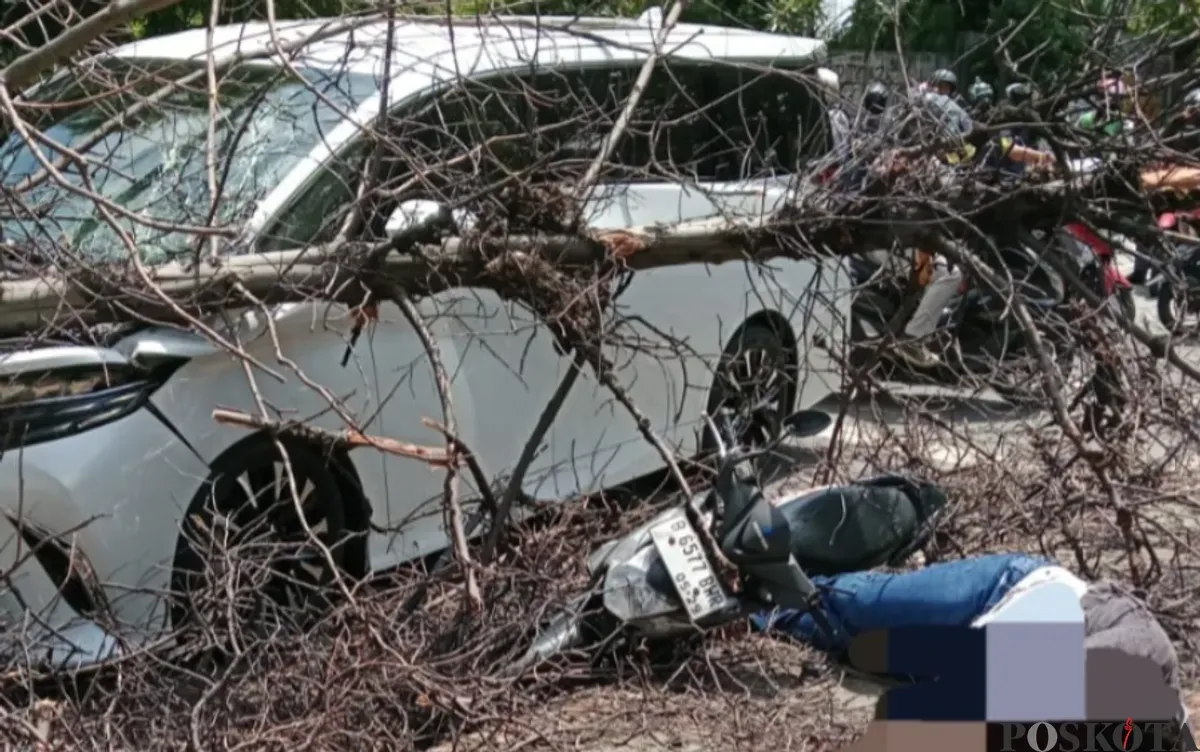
(414,212)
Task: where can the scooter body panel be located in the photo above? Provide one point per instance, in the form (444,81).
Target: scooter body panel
(634,593)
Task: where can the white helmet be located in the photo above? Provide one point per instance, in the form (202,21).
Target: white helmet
(829,80)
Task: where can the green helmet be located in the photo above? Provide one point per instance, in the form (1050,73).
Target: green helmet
(980,91)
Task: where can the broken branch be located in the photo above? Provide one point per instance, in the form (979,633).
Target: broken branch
(349,438)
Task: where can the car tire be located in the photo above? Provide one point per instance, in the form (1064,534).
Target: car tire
(242,527)
(767,355)
(873,309)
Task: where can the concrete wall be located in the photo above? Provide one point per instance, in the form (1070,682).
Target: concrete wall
(857,69)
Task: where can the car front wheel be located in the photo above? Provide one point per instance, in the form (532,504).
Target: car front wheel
(247,561)
(757,379)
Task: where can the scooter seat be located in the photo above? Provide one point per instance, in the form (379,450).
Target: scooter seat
(860,525)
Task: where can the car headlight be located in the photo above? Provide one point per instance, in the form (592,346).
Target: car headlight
(58,406)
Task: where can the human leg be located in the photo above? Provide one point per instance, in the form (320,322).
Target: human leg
(924,320)
(934,299)
(946,594)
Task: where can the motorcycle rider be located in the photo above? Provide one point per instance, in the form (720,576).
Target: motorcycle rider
(944,82)
(874,105)
(1110,116)
(1017,96)
(839,121)
(1181,136)
(866,131)
(945,280)
(975,592)
(981,97)
(864,138)
(1016,130)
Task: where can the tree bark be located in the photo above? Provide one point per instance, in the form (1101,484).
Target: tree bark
(116,293)
(820,225)
(26,69)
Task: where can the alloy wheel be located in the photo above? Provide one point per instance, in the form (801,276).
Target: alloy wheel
(256,555)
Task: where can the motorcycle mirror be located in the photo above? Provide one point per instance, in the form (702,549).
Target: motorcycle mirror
(722,450)
(807,423)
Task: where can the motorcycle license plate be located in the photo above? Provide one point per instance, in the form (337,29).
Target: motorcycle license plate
(693,575)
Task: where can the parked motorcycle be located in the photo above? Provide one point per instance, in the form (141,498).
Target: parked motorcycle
(1176,288)
(977,327)
(1095,255)
(1096,260)
(657,582)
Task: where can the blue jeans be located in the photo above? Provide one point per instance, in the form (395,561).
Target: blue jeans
(948,594)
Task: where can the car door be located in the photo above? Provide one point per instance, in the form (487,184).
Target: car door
(386,370)
(511,124)
(681,158)
(560,118)
(735,142)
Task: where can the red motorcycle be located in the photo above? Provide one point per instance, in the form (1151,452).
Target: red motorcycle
(1097,261)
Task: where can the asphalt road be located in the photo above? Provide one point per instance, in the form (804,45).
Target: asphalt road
(978,407)
(993,425)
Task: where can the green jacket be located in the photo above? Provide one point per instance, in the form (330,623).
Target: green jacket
(1093,120)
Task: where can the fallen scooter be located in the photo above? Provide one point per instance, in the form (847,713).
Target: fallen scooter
(658,582)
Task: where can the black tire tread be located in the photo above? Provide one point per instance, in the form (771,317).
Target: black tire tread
(752,335)
(306,460)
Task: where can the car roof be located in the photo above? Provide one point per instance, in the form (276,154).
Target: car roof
(430,52)
(472,46)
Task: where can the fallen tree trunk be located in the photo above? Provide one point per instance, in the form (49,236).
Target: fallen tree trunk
(338,273)
(422,264)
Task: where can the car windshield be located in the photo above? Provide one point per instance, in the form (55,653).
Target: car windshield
(154,163)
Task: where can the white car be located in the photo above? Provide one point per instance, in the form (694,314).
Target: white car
(106,466)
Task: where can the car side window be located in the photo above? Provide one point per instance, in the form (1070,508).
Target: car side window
(714,122)
(317,214)
(769,123)
(672,134)
(543,125)
(696,120)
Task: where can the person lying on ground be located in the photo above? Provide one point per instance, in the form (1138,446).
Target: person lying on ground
(973,592)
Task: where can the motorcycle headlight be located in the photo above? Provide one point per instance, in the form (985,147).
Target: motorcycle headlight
(58,405)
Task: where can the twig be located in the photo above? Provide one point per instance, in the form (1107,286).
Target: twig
(587,184)
(1051,378)
(528,452)
(466,456)
(210,156)
(25,69)
(349,438)
(451,486)
(707,541)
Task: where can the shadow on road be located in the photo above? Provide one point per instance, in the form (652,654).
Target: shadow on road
(901,400)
